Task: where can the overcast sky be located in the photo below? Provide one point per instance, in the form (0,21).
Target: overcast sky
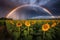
(7,5)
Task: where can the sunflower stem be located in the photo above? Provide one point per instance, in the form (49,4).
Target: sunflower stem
(28,30)
(43,35)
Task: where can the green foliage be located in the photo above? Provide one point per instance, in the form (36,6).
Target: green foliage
(35,31)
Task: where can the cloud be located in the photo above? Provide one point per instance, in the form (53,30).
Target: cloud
(45,17)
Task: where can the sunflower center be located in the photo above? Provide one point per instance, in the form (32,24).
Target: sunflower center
(18,23)
(45,27)
(27,23)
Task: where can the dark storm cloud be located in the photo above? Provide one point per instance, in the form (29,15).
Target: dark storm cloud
(54,6)
(57,8)
(7,5)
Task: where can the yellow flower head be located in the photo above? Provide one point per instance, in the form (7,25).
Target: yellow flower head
(27,23)
(33,22)
(45,27)
(53,25)
(11,22)
(58,21)
(53,21)
(48,20)
(18,24)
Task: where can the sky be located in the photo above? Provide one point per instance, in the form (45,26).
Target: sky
(6,6)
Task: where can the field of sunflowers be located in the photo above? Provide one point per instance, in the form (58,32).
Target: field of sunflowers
(33,29)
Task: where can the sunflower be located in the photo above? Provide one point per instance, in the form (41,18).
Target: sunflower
(46,20)
(53,25)
(27,23)
(58,21)
(18,24)
(45,27)
(11,22)
(33,22)
(53,21)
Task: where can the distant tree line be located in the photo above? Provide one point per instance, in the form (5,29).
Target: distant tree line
(5,18)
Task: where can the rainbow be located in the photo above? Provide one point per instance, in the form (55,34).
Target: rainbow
(46,10)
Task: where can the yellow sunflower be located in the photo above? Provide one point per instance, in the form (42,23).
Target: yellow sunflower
(18,24)
(45,27)
(53,25)
(58,21)
(48,20)
(11,22)
(27,23)
(53,21)
(33,22)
